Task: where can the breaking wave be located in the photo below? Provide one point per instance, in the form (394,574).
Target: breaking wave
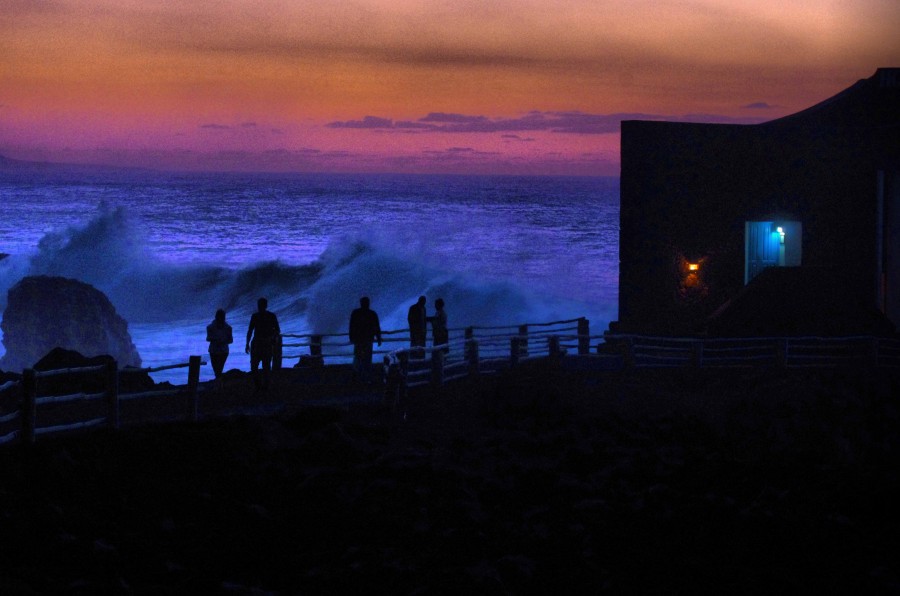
(111,253)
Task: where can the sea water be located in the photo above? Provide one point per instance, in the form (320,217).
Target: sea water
(169,249)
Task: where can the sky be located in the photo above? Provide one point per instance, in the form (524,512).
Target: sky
(430,86)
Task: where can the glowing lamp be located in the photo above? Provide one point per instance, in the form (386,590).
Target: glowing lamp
(693,266)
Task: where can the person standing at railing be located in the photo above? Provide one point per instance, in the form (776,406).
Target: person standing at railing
(439,334)
(218,334)
(416,317)
(262,334)
(364,329)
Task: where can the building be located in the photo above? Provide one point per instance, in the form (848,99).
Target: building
(706,209)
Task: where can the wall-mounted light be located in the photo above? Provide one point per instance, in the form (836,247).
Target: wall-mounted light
(693,266)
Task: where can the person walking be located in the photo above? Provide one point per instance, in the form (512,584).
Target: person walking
(262,335)
(364,329)
(418,331)
(218,334)
(439,333)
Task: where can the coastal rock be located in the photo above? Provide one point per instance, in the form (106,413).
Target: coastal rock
(59,358)
(45,312)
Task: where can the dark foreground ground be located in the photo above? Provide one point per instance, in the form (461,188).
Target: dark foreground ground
(538,483)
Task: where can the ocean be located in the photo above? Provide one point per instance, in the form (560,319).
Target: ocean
(169,249)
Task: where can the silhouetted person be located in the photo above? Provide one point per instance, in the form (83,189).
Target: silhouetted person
(218,334)
(439,333)
(417,329)
(364,329)
(265,332)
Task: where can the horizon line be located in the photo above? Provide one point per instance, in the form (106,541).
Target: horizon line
(8,161)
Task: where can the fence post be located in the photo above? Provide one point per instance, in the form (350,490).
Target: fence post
(393,379)
(628,353)
(29,405)
(584,336)
(513,351)
(781,352)
(276,353)
(437,367)
(523,341)
(194,384)
(315,348)
(112,394)
(697,354)
(403,358)
(553,348)
(472,355)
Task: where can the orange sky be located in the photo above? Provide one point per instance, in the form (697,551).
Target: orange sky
(406,85)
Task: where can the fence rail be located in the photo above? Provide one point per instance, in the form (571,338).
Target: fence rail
(639,351)
(26,414)
(469,352)
(495,352)
(320,347)
(470,355)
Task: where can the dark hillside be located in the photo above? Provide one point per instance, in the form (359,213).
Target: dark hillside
(539,483)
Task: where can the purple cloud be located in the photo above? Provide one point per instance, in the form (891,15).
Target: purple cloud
(555,122)
(515,137)
(290,153)
(452,118)
(215,126)
(367,122)
(407,124)
(558,122)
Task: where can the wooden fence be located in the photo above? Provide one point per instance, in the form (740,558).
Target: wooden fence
(27,413)
(637,351)
(494,342)
(480,350)
(473,351)
(486,350)
(469,349)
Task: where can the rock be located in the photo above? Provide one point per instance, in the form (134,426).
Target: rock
(45,312)
(59,358)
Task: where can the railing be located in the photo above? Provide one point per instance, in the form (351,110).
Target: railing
(472,351)
(27,413)
(639,351)
(494,341)
(480,351)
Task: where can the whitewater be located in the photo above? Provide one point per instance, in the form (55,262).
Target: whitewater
(169,249)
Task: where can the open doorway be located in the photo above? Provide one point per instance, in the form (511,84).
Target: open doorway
(771,244)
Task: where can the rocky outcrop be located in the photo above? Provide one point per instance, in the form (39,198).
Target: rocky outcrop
(45,312)
(59,358)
